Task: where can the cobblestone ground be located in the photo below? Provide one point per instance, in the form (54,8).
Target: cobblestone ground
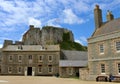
(44,80)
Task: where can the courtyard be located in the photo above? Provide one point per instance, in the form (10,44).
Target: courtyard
(44,80)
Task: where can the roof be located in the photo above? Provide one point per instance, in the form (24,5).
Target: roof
(71,63)
(74,55)
(31,48)
(108,27)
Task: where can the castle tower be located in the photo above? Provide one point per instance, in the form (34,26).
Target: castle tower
(109,16)
(97,16)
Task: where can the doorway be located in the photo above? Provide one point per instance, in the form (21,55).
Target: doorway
(29,71)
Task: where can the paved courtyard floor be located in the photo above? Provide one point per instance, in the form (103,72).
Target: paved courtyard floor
(44,80)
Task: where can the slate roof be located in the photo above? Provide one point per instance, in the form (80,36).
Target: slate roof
(71,63)
(73,58)
(31,48)
(108,27)
(74,55)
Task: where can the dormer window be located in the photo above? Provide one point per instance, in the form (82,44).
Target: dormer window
(20,47)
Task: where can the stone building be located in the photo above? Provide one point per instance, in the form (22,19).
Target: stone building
(30,60)
(104,46)
(71,61)
(32,56)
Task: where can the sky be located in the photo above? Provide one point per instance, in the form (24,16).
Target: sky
(75,15)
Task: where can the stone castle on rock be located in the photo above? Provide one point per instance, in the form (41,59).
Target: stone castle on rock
(48,35)
(39,54)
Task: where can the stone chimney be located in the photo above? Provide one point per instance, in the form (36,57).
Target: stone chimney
(7,42)
(109,16)
(97,16)
(31,26)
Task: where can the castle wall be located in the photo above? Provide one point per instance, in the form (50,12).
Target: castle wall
(47,35)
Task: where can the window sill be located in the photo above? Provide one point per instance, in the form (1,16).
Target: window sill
(117,51)
(101,53)
(103,73)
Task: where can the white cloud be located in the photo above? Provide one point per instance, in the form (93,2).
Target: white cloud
(70,18)
(1,45)
(54,22)
(16,14)
(78,41)
(35,22)
(82,40)
(82,7)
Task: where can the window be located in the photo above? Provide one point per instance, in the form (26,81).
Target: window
(101,48)
(50,58)
(40,69)
(119,68)
(19,58)
(10,58)
(70,71)
(118,46)
(30,57)
(20,47)
(19,69)
(50,68)
(102,68)
(40,58)
(9,69)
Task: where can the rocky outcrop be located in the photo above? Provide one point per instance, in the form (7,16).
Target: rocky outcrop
(47,35)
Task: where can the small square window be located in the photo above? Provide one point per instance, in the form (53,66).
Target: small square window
(101,48)
(50,69)
(10,58)
(40,69)
(40,58)
(118,46)
(50,58)
(102,68)
(30,57)
(19,58)
(9,69)
(119,68)
(19,69)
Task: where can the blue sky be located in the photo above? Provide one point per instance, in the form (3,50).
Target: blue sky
(75,15)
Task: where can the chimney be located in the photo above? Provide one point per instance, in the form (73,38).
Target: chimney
(7,42)
(31,26)
(97,16)
(109,16)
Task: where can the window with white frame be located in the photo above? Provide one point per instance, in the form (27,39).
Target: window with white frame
(50,69)
(9,69)
(119,68)
(118,46)
(103,68)
(50,58)
(101,49)
(10,58)
(19,69)
(19,58)
(40,69)
(40,58)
